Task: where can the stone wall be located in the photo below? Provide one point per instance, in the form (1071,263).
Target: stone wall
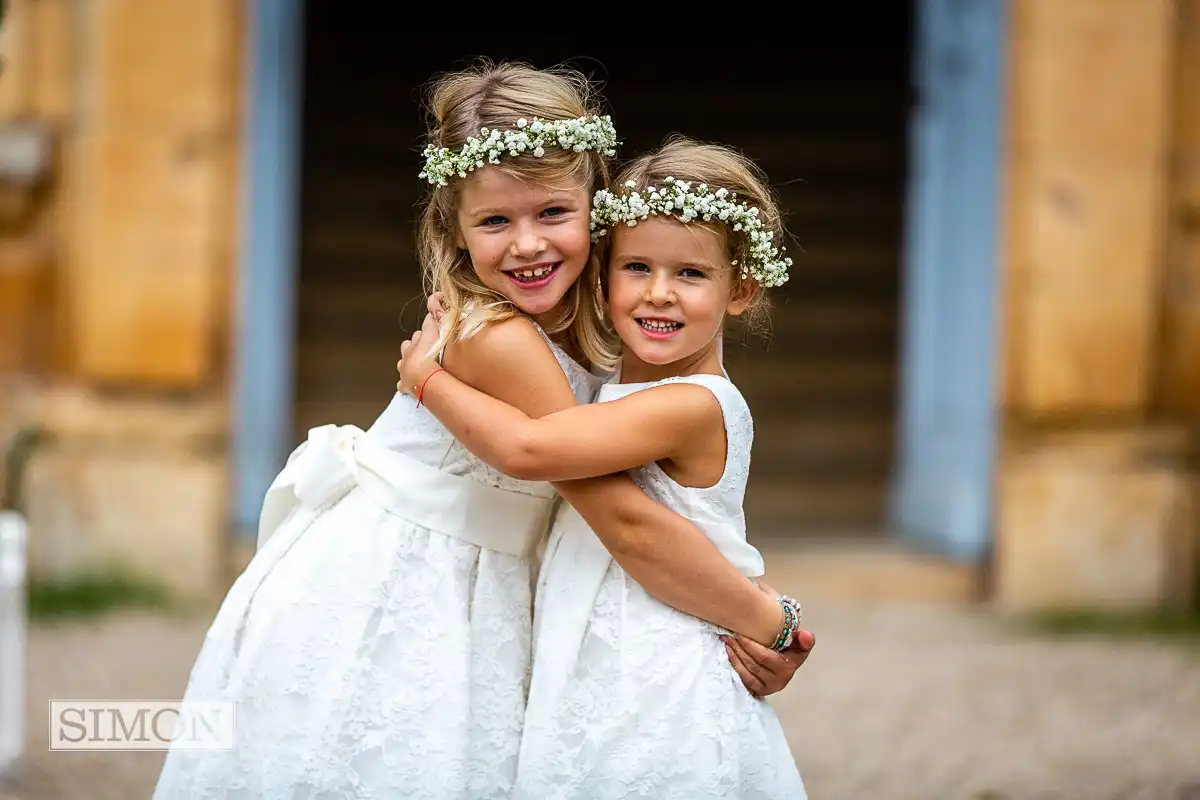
(115,279)
(1097,479)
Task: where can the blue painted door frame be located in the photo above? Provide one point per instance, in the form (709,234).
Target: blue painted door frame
(268,272)
(943,492)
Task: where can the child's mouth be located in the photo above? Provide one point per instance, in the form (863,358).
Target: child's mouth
(534,277)
(659,328)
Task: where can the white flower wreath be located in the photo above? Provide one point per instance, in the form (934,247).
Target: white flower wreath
(586,133)
(765,262)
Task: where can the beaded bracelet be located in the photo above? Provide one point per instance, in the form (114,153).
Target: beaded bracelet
(791,623)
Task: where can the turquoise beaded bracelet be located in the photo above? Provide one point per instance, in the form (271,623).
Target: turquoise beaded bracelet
(791,623)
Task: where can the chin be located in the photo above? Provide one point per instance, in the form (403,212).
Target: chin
(662,359)
(539,305)
(656,356)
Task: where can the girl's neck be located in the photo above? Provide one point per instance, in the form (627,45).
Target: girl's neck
(546,320)
(560,338)
(703,362)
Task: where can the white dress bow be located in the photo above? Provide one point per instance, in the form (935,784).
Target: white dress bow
(321,471)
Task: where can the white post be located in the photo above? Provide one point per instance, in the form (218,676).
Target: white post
(12,638)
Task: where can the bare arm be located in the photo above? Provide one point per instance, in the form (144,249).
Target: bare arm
(581,441)
(670,558)
(665,553)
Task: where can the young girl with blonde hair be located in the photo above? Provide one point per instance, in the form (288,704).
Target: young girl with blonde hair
(378,645)
(630,697)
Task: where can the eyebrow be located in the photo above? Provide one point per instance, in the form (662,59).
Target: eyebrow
(692,264)
(552,200)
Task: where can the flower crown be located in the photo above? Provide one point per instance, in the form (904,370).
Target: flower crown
(586,133)
(765,262)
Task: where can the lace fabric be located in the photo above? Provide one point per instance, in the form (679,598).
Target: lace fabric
(642,702)
(367,656)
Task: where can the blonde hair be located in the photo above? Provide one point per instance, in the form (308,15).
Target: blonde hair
(720,167)
(490,95)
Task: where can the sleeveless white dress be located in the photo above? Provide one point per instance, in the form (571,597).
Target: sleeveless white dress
(630,697)
(378,644)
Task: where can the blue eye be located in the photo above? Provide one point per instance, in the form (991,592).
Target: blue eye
(556,211)
(690,272)
(496,220)
(637,266)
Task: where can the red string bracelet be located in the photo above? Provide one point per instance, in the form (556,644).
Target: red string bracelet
(421,391)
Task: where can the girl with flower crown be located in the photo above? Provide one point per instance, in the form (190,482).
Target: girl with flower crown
(629,696)
(379,643)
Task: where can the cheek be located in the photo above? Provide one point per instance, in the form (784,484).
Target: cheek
(622,291)
(574,239)
(710,305)
(484,250)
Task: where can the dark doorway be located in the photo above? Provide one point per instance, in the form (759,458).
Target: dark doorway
(822,106)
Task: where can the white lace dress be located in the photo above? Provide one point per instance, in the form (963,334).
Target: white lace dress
(378,645)
(629,697)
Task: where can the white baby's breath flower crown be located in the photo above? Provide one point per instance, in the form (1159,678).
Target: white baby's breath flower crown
(765,262)
(585,133)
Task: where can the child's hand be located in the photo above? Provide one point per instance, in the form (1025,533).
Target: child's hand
(435,306)
(761,669)
(417,359)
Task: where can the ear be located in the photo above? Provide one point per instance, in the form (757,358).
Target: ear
(459,241)
(741,294)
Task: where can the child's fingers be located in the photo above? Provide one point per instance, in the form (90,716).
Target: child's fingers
(762,661)
(434,305)
(431,327)
(740,666)
(425,339)
(763,657)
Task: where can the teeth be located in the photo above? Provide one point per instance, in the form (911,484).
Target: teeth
(530,274)
(658,326)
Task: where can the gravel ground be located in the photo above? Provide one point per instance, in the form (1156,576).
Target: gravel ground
(896,702)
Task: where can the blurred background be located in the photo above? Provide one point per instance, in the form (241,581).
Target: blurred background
(977,408)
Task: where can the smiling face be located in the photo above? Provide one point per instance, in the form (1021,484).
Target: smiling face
(670,286)
(527,241)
